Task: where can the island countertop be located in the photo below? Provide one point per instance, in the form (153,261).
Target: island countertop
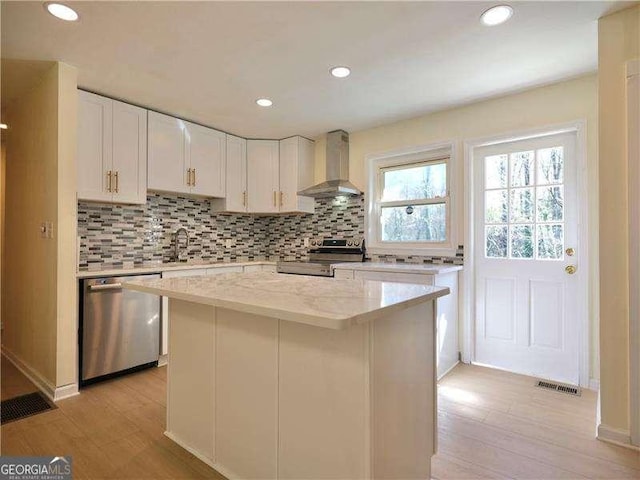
(319,301)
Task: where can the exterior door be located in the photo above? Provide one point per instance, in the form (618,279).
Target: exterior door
(527,272)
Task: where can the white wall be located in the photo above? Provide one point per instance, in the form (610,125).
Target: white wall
(554,104)
(39,304)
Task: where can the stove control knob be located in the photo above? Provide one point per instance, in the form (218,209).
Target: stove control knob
(349,243)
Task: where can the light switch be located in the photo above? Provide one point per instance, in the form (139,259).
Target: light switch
(229,243)
(46,229)
(306,242)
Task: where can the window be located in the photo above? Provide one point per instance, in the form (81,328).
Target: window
(524,204)
(410,203)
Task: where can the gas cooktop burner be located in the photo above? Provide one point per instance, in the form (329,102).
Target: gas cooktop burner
(325,252)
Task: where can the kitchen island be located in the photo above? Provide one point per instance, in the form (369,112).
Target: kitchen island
(295,377)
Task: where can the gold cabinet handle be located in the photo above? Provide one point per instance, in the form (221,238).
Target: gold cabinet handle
(570,269)
(244,198)
(274,198)
(570,251)
(281,198)
(117,181)
(193,182)
(109,181)
(188,177)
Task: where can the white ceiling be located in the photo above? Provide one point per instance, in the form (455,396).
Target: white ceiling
(209,61)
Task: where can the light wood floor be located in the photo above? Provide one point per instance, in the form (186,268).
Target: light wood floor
(492,425)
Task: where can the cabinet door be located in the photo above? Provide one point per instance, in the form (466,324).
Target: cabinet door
(296,173)
(167,170)
(94,146)
(263,175)
(206,157)
(236,194)
(129,153)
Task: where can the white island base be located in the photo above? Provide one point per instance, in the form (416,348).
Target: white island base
(257,397)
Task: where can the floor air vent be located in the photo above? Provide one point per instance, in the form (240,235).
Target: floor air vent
(24,406)
(559,387)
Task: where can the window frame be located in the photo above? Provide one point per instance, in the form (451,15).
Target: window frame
(429,154)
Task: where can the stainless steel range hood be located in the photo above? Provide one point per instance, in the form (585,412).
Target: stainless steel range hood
(337,169)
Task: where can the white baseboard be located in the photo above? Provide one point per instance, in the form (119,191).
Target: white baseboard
(66,391)
(51,391)
(594,384)
(448,370)
(615,436)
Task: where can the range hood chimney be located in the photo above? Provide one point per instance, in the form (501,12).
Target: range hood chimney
(337,169)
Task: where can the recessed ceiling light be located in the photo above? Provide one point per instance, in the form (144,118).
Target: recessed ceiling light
(62,12)
(3,126)
(496,15)
(264,102)
(340,72)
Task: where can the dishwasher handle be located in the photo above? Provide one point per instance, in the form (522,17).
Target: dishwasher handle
(105,286)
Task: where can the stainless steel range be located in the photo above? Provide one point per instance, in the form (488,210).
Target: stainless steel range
(323,253)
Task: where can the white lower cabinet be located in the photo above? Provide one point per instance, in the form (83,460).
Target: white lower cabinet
(447,307)
(194,272)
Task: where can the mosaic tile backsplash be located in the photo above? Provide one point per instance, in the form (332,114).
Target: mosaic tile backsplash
(133,234)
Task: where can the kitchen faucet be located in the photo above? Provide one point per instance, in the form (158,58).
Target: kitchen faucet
(176,244)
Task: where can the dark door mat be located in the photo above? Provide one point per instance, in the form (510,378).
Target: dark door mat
(24,406)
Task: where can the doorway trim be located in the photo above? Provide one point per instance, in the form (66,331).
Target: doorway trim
(468,274)
(633,123)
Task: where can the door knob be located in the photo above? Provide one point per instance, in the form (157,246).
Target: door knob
(570,269)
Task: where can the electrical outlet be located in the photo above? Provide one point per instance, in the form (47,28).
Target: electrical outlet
(306,242)
(229,243)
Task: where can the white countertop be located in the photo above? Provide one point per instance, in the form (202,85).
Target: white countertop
(154,267)
(323,302)
(422,268)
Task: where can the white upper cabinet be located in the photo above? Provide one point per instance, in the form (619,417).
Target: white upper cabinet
(112,150)
(263,176)
(129,153)
(235,199)
(167,165)
(205,153)
(185,157)
(296,173)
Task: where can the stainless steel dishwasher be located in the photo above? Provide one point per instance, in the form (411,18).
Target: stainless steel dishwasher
(119,328)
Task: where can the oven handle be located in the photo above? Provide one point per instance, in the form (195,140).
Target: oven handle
(106,286)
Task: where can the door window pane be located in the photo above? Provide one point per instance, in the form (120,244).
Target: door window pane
(522,205)
(551,242)
(495,168)
(521,169)
(550,204)
(496,241)
(550,165)
(415,182)
(495,206)
(522,241)
(417,223)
